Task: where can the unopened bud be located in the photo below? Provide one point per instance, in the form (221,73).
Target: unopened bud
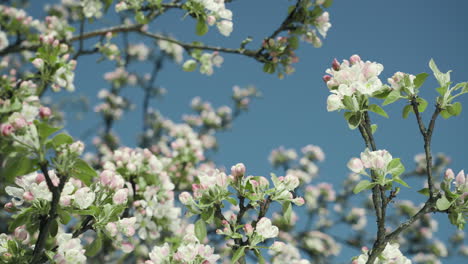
(336,65)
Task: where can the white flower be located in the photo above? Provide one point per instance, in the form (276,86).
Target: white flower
(3,40)
(390,255)
(160,254)
(69,251)
(323,23)
(84,197)
(378,159)
(334,103)
(225,27)
(92,8)
(265,229)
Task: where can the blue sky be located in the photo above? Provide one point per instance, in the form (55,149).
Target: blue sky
(402,35)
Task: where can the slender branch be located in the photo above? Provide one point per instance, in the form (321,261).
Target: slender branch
(46,221)
(427,136)
(189,46)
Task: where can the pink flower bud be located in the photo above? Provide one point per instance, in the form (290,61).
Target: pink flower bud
(460,179)
(65,200)
(211,20)
(299,201)
(449,174)
(9,206)
(185,198)
(127,247)
(112,229)
(44,112)
(248,229)
(40,178)
(336,65)
(354,59)
(109,35)
(63,47)
(238,170)
(106,177)
(55,43)
(7,129)
(28,196)
(38,63)
(21,233)
(120,197)
(225,223)
(355,165)
(19,123)
(326,78)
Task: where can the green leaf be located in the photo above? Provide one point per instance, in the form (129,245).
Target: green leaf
(445,114)
(20,219)
(287,211)
(293,42)
(420,79)
(400,181)
(442,78)
(395,167)
(374,128)
(392,97)
(454,109)
(208,214)
(240,252)
(231,200)
(443,203)
(18,165)
(64,216)
(140,18)
(354,120)
(14,105)
(378,110)
(200,230)
(53,228)
(363,185)
(269,67)
(327,3)
(45,130)
(442,90)
(424,191)
(406,110)
(422,104)
(61,139)
(84,172)
(348,103)
(94,248)
(201,28)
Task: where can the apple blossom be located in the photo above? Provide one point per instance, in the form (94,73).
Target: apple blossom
(84,197)
(265,229)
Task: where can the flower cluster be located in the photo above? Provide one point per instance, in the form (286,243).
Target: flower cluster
(190,250)
(175,51)
(381,163)
(92,8)
(454,200)
(242,96)
(206,60)
(321,243)
(351,79)
(120,77)
(315,195)
(113,105)
(390,255)
(286,253)
(69,250)
(54,64)
(217,13)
